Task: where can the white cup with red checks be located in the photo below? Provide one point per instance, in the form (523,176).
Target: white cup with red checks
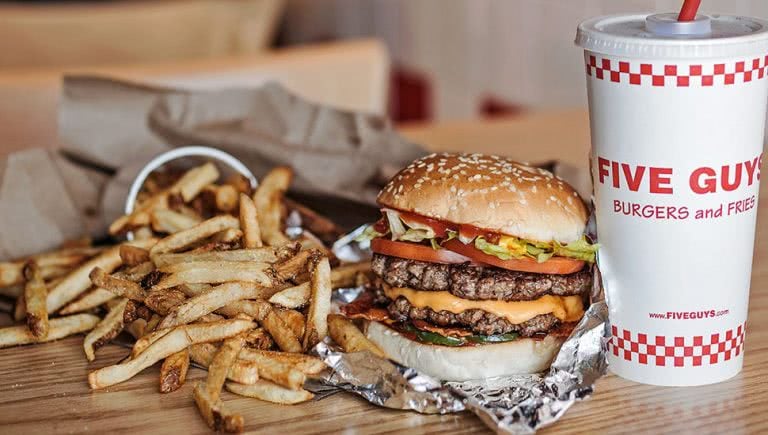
(677,114)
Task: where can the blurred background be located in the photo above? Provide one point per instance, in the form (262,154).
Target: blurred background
(417,61)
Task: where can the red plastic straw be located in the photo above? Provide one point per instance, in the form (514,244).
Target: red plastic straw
(688,11)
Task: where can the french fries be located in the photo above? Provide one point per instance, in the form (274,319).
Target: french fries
(351,339)
(270,392)
(173,372)
(79,281)
(174,341)
(292,297)
(106,330)
(278,370)
(320,304)
(35,294)
(346,275)
(244,372)
(201,231)
(133,255)
(307,364)
(285,338)
(249,223)
(209,278)
(259,255)
(169,221)
(57,328)
(118,286)
(219,367)
(210,301)
(213,414)
(268,200)
(217,273)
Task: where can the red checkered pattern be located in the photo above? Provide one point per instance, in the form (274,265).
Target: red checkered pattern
(676,351)
(718,74)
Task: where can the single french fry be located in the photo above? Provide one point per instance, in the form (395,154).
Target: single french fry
(314,222)
(118,286)
(349,337)
(221,363)
(277,370)
(226,198)
(170,222)
(244,372)
(269,205)
(98,296)
(292,297)
(106,330)
(235,266)
(57,328)
(192,290)
(188,237)
(212,411)
(35,294)
(174,341)
(259,339)
(173,372)
(163,301)
(210,301)
(320,303)
(20,308)
(194,180)
(249,223)
(151,335)
(295,266)
(136,328)
(282,334)
(78,281)
(133,255)
(217,273)
(143,233)
(228,236)
(305,363)
(256,309)
(294,320)
(346,274)
(258,255)
(270,392)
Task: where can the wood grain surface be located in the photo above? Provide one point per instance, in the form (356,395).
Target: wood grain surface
(43,388)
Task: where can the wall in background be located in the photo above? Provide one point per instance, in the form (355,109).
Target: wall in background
(479,52)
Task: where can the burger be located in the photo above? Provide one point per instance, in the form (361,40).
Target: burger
(482,267)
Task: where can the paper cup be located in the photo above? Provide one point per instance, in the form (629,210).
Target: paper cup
(677,138)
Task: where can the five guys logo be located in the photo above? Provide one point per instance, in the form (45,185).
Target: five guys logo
(703,180)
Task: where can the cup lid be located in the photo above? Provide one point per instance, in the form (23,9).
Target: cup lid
(659,36)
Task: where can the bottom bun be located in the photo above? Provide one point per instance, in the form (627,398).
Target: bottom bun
(522,356)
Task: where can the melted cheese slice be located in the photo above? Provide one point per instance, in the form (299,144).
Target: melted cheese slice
(565,308)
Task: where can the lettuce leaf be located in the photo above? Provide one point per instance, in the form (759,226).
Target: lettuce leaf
(368,234)
(580,250)
(491,249)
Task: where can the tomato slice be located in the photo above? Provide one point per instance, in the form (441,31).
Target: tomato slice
(412,251)
(555,265)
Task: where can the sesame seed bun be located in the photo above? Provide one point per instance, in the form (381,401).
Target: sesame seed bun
(521,356)
(489,192)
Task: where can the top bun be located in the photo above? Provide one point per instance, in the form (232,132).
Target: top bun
(489,192)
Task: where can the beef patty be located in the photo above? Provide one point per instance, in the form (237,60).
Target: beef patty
(478,282)
(478,321)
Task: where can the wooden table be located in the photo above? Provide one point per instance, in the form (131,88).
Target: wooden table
(44,389)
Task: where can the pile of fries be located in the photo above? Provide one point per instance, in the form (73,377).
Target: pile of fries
(210,278)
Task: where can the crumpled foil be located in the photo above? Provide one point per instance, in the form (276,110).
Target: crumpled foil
(510,404)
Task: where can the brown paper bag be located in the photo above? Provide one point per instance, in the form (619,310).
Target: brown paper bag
(110,128)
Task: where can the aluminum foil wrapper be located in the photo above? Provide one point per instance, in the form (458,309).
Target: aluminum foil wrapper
(511,404)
